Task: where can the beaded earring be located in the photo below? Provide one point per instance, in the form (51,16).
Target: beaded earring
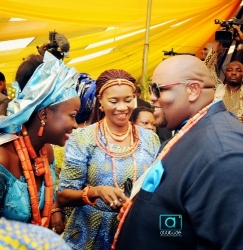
(101,108)
(41,129)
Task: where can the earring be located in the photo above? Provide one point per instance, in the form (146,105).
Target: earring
(101,108)
(41,129)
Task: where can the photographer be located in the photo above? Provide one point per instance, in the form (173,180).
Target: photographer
(232,90)
(57,45)
(211,61)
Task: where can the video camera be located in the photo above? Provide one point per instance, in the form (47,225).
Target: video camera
(173,53)
(58,45)
(229,33)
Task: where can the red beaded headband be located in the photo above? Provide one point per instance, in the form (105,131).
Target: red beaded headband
(117,82)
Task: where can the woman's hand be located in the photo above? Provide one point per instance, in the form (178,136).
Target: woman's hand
(113,197)
(57,222)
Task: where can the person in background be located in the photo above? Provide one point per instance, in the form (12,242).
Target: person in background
(143,116)
(163,133)
(206,50)
(138,101)
(102,161)
(18,235)
(187,199)
(4,100)
(42,113)
(86,91)
(3,88)
(231,91)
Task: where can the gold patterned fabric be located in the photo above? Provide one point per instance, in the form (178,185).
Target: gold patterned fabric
(232,99)
(211,62)
(59,155)
(233,102)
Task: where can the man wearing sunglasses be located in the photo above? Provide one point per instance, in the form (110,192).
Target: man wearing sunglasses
(192,196)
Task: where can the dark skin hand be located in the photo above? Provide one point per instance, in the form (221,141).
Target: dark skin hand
(56,223)
(113,197)
(239,36)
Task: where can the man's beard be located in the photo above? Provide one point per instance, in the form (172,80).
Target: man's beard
(234,84)
(163,123)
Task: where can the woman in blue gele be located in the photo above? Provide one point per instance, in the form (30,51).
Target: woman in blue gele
(42,113)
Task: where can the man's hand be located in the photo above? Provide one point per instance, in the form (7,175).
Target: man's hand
(239,36)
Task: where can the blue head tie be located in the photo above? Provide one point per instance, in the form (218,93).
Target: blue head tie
(86,88)
(51,83)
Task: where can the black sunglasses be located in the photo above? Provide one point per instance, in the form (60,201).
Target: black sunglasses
(156,89)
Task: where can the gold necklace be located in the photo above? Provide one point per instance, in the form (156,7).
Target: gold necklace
(114,136)
(111,153)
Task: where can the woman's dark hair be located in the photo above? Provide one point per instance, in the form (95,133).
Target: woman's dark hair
(107,75)
(136,111)
(27,68)
(2,77)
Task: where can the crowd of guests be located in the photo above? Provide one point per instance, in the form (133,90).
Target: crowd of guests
(83,158)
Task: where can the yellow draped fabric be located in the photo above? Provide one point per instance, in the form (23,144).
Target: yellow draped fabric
(186,26)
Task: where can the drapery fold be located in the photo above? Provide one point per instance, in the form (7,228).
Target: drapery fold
(86,22)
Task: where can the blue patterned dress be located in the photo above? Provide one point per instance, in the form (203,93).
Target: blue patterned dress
(93,227)
(14,196)
(17,235)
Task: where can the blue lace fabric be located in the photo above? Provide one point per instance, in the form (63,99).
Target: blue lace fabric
(14,196)
(51,83)
(93,227)
(17,235)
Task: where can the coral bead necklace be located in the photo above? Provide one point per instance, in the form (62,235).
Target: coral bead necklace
(25,150)
(116,137)
(108,151)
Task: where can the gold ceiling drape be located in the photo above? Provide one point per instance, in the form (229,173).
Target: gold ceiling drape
(86,22)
